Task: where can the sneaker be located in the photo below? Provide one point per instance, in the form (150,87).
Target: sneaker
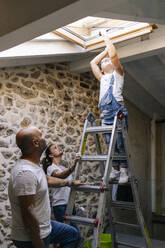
(114,174)
(80,212)
(123,175)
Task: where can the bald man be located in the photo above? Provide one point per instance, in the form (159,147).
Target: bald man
(29,198)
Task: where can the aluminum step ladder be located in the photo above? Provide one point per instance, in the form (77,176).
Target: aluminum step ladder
(104,189)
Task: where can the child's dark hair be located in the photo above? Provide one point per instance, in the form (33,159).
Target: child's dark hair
(46,161)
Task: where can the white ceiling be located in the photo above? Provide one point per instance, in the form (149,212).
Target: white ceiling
(22,21)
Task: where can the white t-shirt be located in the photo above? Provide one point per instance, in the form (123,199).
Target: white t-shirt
(60,196)
(117,86)
(29,179)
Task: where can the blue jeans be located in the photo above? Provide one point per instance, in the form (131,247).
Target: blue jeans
(109,107)
(119,146)
(63,234)
(59,212)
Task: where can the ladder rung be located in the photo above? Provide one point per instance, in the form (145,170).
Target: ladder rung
(90,188)
(126,224)
(94,158)
(122,204)
(117,182)
(116,157)
(99,129)
(129,245)
(124,184)
(82,220)
(99,157)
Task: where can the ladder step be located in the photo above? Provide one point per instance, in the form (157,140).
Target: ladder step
(116,157)
(117,182)
(82,220)
(126,224)
(123,204)
(99,157)
(99,129)
(124,184)
(94,158)
(90,188)
(129,245)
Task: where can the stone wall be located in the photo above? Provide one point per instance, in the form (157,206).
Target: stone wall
(49,97)
(57,102)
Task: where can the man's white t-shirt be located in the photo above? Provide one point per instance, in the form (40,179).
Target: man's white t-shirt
(60,196)
(29,179)
(117,86)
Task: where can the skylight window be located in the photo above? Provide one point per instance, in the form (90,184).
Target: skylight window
(86,32)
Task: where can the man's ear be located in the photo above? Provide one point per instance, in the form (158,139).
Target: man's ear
(35,142)
(51,156)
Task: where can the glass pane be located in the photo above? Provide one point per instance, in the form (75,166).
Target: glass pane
(89,27)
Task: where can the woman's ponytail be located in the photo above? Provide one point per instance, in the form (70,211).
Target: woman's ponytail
(46,161)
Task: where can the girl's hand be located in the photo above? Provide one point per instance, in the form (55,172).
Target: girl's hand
(77,183)
(78,156)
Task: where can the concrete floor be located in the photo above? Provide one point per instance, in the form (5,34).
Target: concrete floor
(136,240)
